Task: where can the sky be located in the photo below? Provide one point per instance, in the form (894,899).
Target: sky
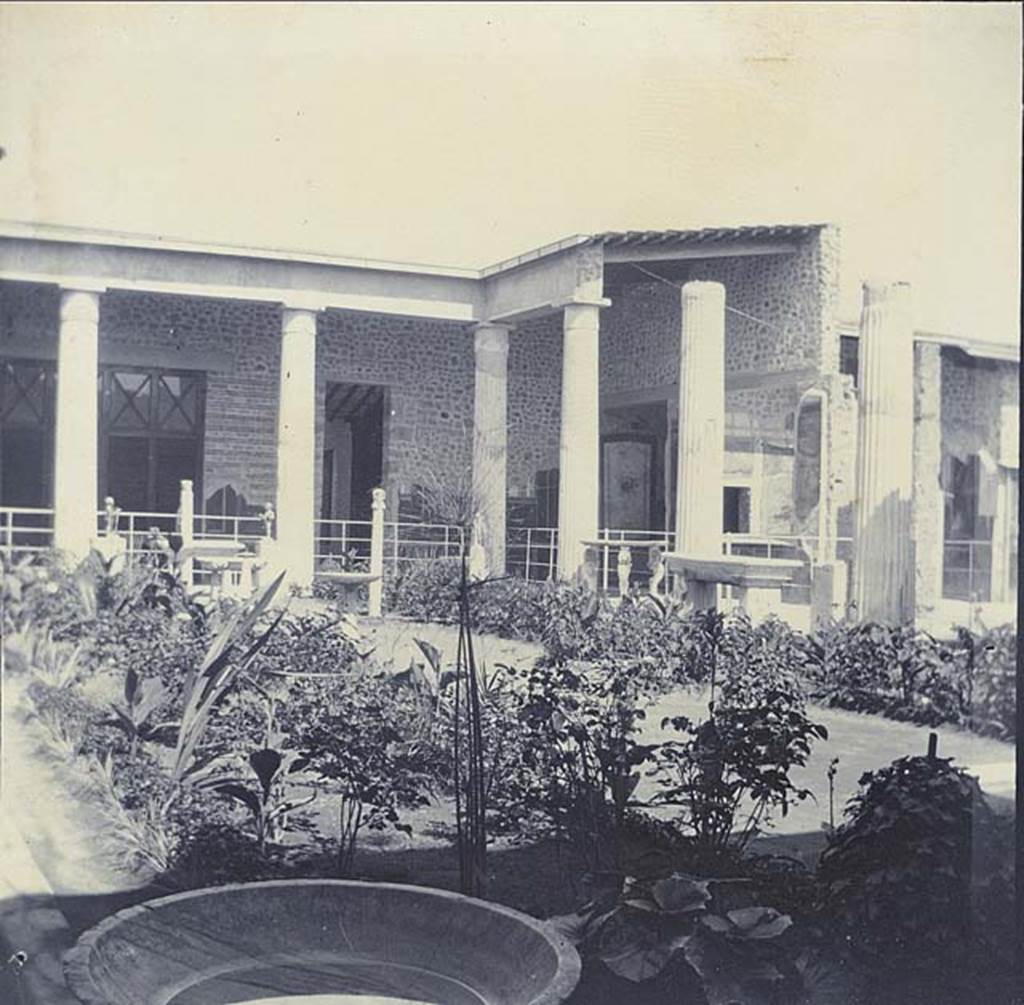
(461,134)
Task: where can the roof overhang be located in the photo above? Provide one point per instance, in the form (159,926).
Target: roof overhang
(978,348)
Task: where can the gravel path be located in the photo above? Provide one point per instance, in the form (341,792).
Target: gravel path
(861,742)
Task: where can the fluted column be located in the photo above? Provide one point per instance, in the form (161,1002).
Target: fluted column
(490,442)
(701,421)
(579,443)
(928,516)
(883,568)
(296,446)
(75,490)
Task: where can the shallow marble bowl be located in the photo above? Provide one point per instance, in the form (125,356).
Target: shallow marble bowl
(321,941)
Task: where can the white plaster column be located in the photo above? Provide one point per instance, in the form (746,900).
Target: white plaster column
(701,425)
(76,474)
(883,566)
(579,442)
(296,446)
(490,442)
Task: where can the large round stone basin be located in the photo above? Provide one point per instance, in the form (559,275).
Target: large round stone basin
(321,942)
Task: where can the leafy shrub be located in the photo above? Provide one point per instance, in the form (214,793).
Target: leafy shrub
(517,609)
(679,938)
(217,852)
(990,669)
(658,642)
(355,743)
(579,757)
(509,607)
(895,877)
(894,671)
(907,674)
(307,644)
(149,643)
(428,591)
(732,770)
(756,662)
(43,590)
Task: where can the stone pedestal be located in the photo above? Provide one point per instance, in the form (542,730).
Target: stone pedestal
(579,444)
(296,447)
(376,586)
(186,527)
(701,459)
(75,490)
(883,567)
(490,443)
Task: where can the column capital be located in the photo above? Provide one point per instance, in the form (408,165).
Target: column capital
(876,289)
(491,337)
(581,316)
(298,320)
(575,301)
(700,288)
(79,305)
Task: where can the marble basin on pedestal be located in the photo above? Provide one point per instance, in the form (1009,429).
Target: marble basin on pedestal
(738,570)
(321,942)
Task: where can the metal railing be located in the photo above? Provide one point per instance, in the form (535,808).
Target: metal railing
(141,529)
(341,545)
(641,545)
(532,552)
(25,530)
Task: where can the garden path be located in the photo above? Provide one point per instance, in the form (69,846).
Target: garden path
(861,742)
(54,872)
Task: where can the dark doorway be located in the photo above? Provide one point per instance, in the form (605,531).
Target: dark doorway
(27,409)
(353,449)
(151,424)
(735,509)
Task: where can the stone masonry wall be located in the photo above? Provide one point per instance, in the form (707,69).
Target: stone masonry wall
(974,397)
(29,312)
(795,295)
(428,369)
(241,389)
(241,394)
(534,400)
(427,366)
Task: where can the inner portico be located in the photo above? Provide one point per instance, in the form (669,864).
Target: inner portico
(641,383)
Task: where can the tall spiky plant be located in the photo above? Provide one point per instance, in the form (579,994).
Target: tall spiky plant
(469,771)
